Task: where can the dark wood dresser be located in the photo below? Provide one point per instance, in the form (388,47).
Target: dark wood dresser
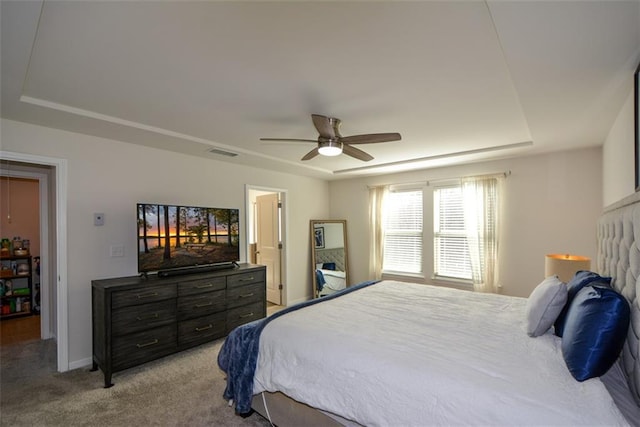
(137,319)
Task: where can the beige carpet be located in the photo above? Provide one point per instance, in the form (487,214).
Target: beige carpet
(178,390)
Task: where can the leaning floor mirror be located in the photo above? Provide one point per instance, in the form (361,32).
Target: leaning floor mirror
(329,255)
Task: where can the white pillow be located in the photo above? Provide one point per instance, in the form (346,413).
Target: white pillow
(544,305)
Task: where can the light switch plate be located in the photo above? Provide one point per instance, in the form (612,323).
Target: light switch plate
(117,251)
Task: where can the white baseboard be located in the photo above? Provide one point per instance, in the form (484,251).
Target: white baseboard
(76,364)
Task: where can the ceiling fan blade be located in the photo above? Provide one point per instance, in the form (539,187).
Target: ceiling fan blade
(287,140)
(324,125)
(311,154)
(371,138)
(356,152)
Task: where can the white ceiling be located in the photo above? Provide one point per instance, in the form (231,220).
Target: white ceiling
(476,79)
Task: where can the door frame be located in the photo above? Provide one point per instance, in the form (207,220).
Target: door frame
(62,309)
(283,229)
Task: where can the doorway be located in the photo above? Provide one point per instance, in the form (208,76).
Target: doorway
(265,239)
(20,222)
(51,174)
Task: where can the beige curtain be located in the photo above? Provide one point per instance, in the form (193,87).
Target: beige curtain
(376,230)
(481,197)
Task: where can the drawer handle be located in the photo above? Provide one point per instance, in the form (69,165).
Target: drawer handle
(246,295)
(244,316)
(245,279)
(204,328)
(154,342)
(147,295)
(153,316)
(203,305)
(208,285)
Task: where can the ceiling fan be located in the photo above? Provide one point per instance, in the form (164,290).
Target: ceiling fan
(331,143)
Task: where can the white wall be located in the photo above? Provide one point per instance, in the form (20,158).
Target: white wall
(552,203)
(618,166)
(111,177)
(333,235)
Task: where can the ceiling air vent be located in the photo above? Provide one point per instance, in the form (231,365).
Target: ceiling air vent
(222,152)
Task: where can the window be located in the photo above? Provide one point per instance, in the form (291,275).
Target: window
(451,251)
(402,222)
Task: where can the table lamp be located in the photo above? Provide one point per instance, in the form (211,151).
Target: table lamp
(565,265)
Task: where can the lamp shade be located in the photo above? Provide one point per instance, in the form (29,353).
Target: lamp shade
(565,266)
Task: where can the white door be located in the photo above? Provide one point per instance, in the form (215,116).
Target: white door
(268,243)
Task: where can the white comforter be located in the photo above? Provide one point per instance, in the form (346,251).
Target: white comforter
(334,280)
(399,354)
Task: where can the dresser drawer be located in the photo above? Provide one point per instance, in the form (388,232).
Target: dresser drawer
(244,295)
(193,287)
(241,315)
(198,305)
(134,349)
(197,331)
(147,316)
(143,295)
(245,278)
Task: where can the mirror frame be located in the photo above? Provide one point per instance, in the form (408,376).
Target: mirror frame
(312,227)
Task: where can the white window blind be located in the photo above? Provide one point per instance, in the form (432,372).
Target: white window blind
(403,232)
(451,252)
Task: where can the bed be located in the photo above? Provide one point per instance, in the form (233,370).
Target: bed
(330,268)
(330,281)
(392,353)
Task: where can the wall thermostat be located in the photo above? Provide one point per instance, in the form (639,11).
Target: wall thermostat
(98,219)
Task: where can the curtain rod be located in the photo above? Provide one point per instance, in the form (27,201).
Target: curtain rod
(429,182)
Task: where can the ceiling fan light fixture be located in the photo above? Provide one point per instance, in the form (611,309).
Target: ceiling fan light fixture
(331,143)
(330,148)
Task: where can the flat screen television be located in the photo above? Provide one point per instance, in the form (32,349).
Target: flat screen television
(174,238)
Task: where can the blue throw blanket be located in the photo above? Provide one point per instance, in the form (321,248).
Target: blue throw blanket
(320,282)
(239,353)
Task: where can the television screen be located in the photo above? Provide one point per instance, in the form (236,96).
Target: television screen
(172,237)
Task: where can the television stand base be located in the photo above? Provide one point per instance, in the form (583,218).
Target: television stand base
(197,269)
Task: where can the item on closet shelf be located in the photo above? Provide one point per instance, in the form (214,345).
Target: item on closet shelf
(6,309)
(6,272)
(3,289)
(17,243)
(26,244)
(21,252)
(8,288)
(26,306)
(18,305)
(5,247)
(23,270)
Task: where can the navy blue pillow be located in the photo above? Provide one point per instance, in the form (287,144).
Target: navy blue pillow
(595,331)
(581,279)
(329,266)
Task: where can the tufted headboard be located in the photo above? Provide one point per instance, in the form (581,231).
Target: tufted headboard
(619,257)
(335,255)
